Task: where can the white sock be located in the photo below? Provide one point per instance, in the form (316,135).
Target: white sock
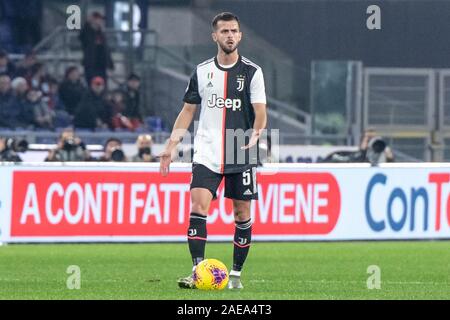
(235,273)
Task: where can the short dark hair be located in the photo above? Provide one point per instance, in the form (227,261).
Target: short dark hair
(69,70)
(134,76)
(224,16)
(112,139)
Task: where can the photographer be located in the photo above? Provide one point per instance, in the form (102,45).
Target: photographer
(374,149)
(144,144)
(69,148)
(9,147)
(113,151)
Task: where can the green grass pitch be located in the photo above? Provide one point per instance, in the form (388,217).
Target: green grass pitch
(334,270)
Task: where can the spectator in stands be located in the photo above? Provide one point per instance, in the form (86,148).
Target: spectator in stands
(71,90)
(6,66)
(37,77)
(144,145)
(24,66)
(117,107)
(18,116)
(96,55)
(43,115)
(113,151)
(6,100)
(51,96)
(5,87)
(19,86)
(62,118)
(69,148)
(132,100)
(93,111)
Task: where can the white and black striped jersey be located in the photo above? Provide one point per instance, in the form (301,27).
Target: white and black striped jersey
(226,96)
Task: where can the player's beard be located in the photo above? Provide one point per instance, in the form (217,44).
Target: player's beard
(228,50)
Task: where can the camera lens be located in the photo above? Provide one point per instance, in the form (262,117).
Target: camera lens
(378,145)
(69,144)
(117,155)
(21,146)
(145,150)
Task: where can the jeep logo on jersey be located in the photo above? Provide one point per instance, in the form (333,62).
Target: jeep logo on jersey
(234,104)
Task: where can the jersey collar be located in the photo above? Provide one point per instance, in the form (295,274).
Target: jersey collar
(218,66)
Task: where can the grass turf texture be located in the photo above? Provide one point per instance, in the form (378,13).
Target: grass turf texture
(409,270)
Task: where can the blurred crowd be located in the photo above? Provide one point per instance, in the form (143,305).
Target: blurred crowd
(31,98)
(70,147)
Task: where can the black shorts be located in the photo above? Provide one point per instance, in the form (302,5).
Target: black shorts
(238,186)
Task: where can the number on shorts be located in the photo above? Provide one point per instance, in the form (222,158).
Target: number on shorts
(246,178)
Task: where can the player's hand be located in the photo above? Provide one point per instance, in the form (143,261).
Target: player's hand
(164,162)
(253,140)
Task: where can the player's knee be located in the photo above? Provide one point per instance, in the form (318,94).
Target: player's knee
(199,207)
(241,212)
(241,216)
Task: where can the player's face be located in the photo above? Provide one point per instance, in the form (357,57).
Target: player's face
(227,36)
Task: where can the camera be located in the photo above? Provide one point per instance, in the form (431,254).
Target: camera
(373,154)
(343,157)
(377,145)
(375,150)
(117,155)
(16,145)
(11,147)
(69,144)
(145,150)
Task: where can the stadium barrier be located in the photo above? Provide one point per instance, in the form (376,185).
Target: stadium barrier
(132,203)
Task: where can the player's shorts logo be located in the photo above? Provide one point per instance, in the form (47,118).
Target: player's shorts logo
(214,101)
(240,81)
(242,241)
(192,232)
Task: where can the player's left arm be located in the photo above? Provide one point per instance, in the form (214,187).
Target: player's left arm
(259,124)
(258,100)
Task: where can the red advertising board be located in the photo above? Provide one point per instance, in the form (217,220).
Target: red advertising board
(120,203)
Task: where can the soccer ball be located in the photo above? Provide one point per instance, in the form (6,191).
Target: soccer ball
(210,274)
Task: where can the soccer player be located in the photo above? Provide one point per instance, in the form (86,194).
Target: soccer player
(231,92)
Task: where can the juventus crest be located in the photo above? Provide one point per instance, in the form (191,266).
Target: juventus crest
(240,83)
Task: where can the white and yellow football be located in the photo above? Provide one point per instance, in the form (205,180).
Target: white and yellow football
(211,274)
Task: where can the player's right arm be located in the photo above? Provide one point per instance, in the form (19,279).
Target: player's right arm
(182,123)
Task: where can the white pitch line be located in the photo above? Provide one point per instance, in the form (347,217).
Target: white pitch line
(356,282)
